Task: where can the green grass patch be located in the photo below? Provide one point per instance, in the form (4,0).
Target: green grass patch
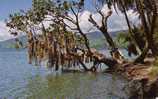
(154,70)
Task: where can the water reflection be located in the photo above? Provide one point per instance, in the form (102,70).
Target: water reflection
(75,86)
(19,80)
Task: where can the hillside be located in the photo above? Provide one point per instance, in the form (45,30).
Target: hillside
(96,38)
(97,34)
(11,42)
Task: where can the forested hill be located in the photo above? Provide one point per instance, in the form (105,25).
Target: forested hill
(11,42)
(97,34)
(94,38)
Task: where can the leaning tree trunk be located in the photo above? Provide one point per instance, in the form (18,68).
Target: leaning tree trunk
(116,55)
(103,28)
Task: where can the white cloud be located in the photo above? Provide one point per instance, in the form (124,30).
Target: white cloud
(4,32)
(86,26)
(116,21)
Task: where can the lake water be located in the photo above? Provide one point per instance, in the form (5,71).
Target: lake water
(19,80)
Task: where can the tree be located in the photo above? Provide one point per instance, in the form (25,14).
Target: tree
(143,8)
(56,44)
(76,8)
(104,29)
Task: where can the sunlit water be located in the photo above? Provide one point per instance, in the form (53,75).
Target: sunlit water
(19,80)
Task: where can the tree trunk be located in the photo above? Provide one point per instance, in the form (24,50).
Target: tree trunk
(148,29)
(153,46)
(133,36)
(114,50)
(108,38)
(140,59)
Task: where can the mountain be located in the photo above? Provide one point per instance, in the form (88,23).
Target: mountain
(11,42)
(98,35)
(96,39)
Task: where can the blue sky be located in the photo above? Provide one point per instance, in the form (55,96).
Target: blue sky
(11,6)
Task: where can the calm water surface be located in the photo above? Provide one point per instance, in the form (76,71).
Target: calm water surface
(19,80)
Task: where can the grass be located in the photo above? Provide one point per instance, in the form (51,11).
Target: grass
(154,70)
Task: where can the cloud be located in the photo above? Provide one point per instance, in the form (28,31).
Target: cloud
(116,21)
(4,32)
(85,25)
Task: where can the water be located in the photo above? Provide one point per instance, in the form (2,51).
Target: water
(19,80)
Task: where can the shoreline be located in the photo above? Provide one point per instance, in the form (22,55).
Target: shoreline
(140,74)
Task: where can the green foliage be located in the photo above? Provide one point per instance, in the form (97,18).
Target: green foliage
(122,40)
(154,70)
(97,43)
(66,5)
(40,9)
(156,33)
(17,21)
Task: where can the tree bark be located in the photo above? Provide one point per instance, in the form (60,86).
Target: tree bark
(103,29)
(153,46)
(114,50)
(148,28)
(133,36)
(140,58)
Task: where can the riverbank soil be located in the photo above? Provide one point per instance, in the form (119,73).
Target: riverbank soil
(145,74)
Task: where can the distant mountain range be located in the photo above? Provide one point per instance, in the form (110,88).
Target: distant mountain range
(94,37)
(11,42)
(98,35)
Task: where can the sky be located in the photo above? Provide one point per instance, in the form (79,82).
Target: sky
(116,22)
(11,6)
(7,7)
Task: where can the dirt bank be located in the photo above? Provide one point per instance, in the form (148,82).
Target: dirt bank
(143,78)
